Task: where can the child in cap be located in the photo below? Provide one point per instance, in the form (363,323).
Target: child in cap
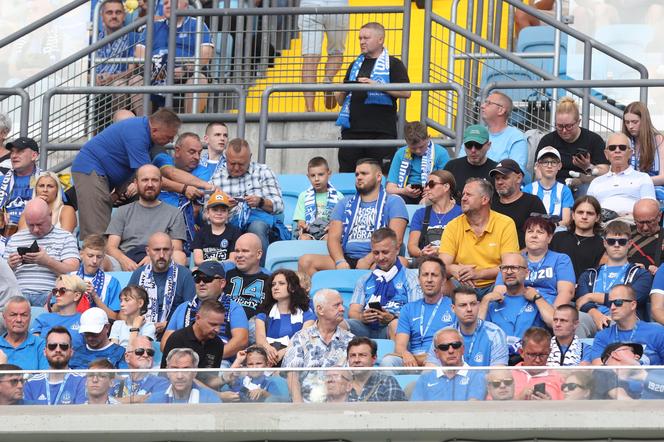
(215,240)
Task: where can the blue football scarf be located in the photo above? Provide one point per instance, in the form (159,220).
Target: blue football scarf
(407,162)
(310,208)
(350,212)
(387,287)
(274,325)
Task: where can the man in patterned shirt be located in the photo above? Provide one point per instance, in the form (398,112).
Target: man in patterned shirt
(254,191)
(370,386)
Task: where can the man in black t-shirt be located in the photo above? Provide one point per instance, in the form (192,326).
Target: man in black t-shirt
(370,116)
(247,283)
(511,200)
(475,164)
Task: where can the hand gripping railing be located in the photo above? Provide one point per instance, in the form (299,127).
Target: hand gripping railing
(25,106)
(264,144)
(240,117)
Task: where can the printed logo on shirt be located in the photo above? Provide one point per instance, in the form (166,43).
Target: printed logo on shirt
(529,308)
(41,397)
(224,243)
(66,398)
(398,285)
(479,357)
(432,384)
(464,381)
(362,228)
(492,244)
(447,317)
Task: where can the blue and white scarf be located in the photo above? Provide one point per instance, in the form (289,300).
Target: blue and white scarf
(380,74)
(350,212)
(387,287)
(310,208)
(99,282)
(187,209)
(572,357)
(146,280)
(274,325)
(407,162)
(8,184)
(205,158)
(194,305)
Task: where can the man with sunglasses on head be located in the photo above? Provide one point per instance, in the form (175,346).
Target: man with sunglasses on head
(94,328)
(506,141)
(592,292)
(62,388)
(622,186)
(136,387)
(11,386)
(536,384)
(450,385)
(627,327)
(475,163)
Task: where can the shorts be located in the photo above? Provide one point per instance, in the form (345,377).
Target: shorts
(352,262)
(312,27)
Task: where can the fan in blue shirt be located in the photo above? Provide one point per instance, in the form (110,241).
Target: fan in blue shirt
(95,328)
(21,347)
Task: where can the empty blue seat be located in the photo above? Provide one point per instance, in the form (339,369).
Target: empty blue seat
(541,39)
(385,347)
(122,277)
(284,254)
(341,280)
(405,379)
(291,187)
(344,182)
(35,311)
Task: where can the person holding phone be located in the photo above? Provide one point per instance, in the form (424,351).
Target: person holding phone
(536,384)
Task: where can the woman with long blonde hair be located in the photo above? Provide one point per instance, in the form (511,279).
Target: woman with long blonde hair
(48,188)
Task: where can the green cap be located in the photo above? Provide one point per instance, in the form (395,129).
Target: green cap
(476,133)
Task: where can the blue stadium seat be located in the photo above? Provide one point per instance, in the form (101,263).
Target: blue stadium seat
(344,182)
(156,361)
(540,39)
(122,277)
(341,280)
(284,254)
(405,379)
(291,187)
(412,208)
(34,312)
(385,347)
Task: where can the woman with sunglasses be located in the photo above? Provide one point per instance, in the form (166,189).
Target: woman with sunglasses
(581,150)
(67,293)
(577,385)
(284,311)
(49,189)
(428,223)
(133,307)
(647,144)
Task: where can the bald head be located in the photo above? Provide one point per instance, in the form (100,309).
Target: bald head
(122,114)
(38,217)
(147,169)
(647,216)
(248,252)
(148,183)
(160,251)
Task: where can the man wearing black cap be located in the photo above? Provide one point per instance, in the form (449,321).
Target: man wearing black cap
(17,184)
(511,200)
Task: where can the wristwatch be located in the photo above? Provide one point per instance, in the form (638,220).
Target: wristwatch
(536,297)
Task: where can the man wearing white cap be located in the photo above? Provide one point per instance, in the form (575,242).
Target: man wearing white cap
(94,328)
(557,197)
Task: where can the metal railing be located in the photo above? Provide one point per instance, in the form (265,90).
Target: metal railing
(454,134)
(24,107)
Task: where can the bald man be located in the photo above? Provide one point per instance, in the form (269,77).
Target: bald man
(247,282)
(40,252)
(647,235)
(132,224)
(168,284)
(622,186)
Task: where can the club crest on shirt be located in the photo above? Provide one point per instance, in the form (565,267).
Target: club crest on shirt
(224,243)
(447,317)
(479,357)
(66,398)
(464,381)
(529,308)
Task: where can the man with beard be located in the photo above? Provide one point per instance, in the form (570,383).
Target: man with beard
(132,224)
(353,221)
(370,386)
(94,327)
(137,386)
(511,201)
(56,388)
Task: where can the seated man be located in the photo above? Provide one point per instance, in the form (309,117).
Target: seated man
(132,224)
(97,385)
(17,185)
(255,193)
(40,253)
(338,385)
(138,386)
(450,385)
(472,244)
(506,141)
(566,348)
(104,289)
(594,284)
(379,296)
(622,186)
(216,138)
(620,384)
(647,242)
(182,388)
(412,164)
(11,386)
(353,221)
(500,385)
(370,386)
(210,280)
(419,320)
(474,163)
(168,284)
(94,328)
(19,346)
(321,345)
(626,327)
(536,384)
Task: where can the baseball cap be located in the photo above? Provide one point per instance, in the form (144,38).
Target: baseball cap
(637,348)
(218,198)
(210,268)
(505,167)
(23,143)
(93,320)
(476,133)
(548,150)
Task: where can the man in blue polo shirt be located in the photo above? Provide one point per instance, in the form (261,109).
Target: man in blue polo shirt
(450,385)
(626,327)
(21,348)
(94,328)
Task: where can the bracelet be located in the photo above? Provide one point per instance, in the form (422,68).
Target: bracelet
(134,329)
(339,262)
(184,189)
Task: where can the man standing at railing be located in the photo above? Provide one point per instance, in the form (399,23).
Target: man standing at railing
(370,115)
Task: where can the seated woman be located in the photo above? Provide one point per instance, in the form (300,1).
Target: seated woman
(133,307)
(49,189)
(550,273)
(647,144)
(253,386)
(428,223)
(285,311)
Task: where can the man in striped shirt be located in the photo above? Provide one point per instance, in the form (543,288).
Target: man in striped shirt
(40,253)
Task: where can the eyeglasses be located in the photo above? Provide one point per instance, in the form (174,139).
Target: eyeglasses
(431,184)
(511,269)
(571,386)
(60,291)
(52,346)
(14,382)
(613,147)
(472,145)
(455,345)
(536,355)
(569,126)
(487,102)
(203,278)
(141,351)
(619,302)
(498,383)
(622,242)
(549,163)
(647,221)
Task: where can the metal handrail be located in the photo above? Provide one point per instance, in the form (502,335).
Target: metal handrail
(265,97)
(45,146)
(25,106)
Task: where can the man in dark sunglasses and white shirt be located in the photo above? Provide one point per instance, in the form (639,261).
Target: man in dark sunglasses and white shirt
(138,385)
(622,186)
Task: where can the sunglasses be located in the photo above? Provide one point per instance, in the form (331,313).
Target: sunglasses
(613,147)
(444,347)
(619,302)
(53,346)
(59,291)
(431,184)
(616,241)
(571,386)
(14,382)
(141,351)
(498,383)
(203,278)
(472,145)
